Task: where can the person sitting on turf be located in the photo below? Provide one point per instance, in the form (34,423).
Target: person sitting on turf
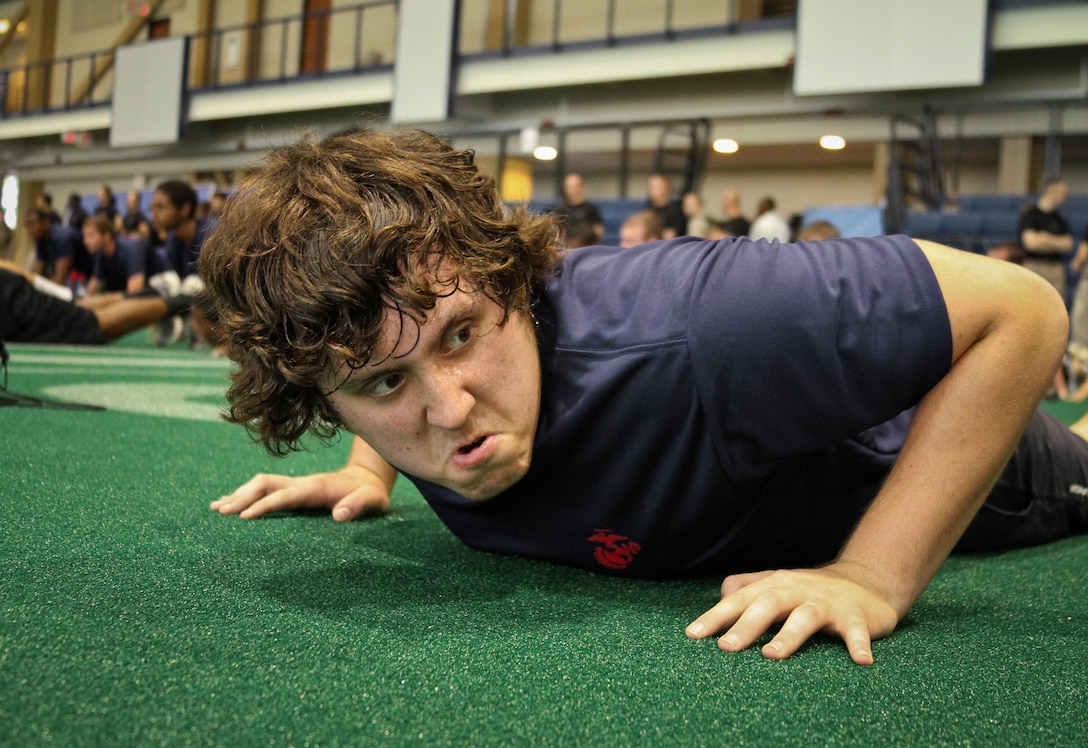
(58,249)
(821,422)
(34,309)
(120,263)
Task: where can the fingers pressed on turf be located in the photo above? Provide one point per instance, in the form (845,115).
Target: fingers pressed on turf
(859,643)
(724,614)
(757,618)
(805,620)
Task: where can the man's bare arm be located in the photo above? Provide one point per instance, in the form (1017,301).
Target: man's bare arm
(1034,240)
(1009,330)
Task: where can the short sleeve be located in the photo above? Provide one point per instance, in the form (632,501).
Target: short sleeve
(796,347)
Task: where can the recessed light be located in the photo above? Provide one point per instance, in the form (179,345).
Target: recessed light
(832,142)
(726,145)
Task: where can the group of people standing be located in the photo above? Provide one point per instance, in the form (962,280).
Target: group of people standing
(666,216)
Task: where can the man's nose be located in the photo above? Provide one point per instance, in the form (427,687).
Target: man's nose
(448,401)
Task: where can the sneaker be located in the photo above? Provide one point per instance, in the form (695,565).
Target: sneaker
(192,285)
(166,284)
(169,331)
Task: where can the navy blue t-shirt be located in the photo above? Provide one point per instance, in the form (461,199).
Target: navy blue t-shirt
(715,407)
(182,258)
(61,243)
(129,258)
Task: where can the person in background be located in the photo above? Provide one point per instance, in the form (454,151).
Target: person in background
(7,237)
(768,224)
(74,214)
(173,210)
(57,247)
(134,224)
(695,212)
(580,234)
(660,200)
(107,203)
(818,230)
(1046,242)
(1007,252)
(120,263)
(733,222)
(576,208)
(33,309)
(1045,237)
(639,228)
(44,203)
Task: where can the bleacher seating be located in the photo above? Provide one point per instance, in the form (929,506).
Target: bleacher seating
(613,211)
(981,221)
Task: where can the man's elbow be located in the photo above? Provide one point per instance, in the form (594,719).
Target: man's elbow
(1047,319)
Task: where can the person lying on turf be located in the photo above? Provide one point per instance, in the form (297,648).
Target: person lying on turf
(819,421)
(34,309)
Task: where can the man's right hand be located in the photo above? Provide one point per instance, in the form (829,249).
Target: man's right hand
(360,488)
(348,493)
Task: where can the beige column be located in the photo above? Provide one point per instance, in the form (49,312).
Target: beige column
(41,40)
(1014,166)
(29,191)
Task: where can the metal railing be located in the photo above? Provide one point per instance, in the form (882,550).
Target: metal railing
(332,42)
(57,84)
(555,25)
(340,41)
(358,38)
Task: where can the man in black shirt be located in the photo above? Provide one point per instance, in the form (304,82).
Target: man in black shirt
(1044,235)
(575,208)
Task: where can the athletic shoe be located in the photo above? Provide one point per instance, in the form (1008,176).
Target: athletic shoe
(166,284)
(192,285)
(170,330)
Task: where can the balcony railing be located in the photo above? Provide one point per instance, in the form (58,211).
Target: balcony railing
(557,25)
(341,41)
(362,38)
(334,42)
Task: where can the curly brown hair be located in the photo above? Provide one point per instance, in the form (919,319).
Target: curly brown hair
(316,246)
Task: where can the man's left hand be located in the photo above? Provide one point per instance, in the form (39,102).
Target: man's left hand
(836,600)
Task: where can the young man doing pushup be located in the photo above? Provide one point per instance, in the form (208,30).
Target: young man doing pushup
(821,422)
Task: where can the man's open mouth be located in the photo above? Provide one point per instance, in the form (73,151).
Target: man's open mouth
(469,447)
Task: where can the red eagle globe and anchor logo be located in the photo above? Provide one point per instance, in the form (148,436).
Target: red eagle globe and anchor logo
(613,551)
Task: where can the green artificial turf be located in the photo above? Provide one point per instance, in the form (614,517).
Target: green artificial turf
(133,615)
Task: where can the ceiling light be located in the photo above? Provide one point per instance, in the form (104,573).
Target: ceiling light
(832,142)
(545,153)
(726,145)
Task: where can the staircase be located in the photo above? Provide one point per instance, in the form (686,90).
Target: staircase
(914,168)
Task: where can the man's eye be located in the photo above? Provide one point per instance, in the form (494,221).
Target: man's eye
(385,385)
(460,338)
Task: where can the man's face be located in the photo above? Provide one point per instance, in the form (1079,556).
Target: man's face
(1058,192)
(574,189)
(632,235)
(93,239)
(658,190)
(456,401)
(164,216)
(36,227)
